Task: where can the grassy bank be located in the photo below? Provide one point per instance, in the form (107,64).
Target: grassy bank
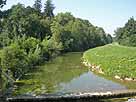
(114,60)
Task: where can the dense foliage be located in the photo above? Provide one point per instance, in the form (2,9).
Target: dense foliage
(29,36)
(127,34)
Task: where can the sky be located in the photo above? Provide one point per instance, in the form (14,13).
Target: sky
(109,14)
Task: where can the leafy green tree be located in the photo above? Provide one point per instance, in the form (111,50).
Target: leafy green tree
(4,40)
(45,49)
(109,38)
(12,23)
(64,18)
(26,21)
(75,34)
(37,5)
(78,34)
(35,56)
(48,9)
(101,36)
(45,28)
(126,35)
(28,44)
(61,34)
(14,59)
(55,40)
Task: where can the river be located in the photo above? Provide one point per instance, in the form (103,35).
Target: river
(64,74)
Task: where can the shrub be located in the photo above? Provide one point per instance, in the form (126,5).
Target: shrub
(14,59)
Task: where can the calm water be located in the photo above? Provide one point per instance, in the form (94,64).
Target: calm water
(65,74)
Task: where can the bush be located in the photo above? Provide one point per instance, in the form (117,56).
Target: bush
(14,59)
(23,54)
(45,49)
(35,57)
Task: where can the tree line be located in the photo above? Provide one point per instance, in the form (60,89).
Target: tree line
(30,36)
(127,35)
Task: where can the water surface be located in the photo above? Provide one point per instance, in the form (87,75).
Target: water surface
(64,74)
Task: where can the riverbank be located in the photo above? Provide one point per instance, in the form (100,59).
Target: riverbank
(112,60)
(67,76)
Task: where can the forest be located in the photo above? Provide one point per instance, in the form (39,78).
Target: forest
(30,36)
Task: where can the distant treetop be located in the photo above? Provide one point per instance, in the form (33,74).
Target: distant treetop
(38,5)
(48,9)
(2,3)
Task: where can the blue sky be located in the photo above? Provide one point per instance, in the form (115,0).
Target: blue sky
(108,14)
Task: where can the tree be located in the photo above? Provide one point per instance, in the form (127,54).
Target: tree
(75,34)
(12,25)
(127,34)
(102,40)
(25,21)
(61,34)
(37,5)
(55,41)
(14,59)
(2,3)
(48,9)
(109,38)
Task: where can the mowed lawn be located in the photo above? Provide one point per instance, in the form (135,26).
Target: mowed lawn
(114,59)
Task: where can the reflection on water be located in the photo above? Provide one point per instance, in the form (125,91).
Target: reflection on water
(88,82)
(64,74)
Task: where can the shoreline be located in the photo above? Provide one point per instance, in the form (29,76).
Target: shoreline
(98,69)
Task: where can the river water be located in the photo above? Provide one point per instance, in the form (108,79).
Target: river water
(64,74)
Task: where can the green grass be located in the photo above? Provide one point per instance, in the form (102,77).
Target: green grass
(114,59)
